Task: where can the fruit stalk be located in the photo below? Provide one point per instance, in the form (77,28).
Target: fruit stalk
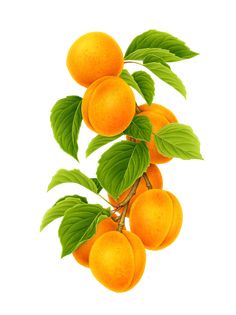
(147,181)
(125,204)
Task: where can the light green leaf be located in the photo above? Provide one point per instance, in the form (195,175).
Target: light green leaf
(141,82)
(153,58)
(164,54)
(146,85)
(157,39)
(140,128)
(98,142)
(178,140)
(79,225)
(59,209)
(83,199)
(166,74)
(66,120)
(121,165)
(73,176)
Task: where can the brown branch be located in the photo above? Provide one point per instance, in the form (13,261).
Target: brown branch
(147,181)
(125,204)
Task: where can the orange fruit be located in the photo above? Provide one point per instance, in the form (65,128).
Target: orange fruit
(92,56)
(117,260)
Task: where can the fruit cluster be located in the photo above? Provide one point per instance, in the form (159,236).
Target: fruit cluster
(128,170)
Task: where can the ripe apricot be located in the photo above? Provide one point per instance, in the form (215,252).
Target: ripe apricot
(82,253)
(155,178)
(161,110)
(156,217)
(108,106)
(117,260)
(158,121)
(92,56)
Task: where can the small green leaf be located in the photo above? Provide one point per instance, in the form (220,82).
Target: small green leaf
(140,128)
(99,186)
(73,176)
(153,58)
(146,85)
(98,142)
(164,54)
(79,225)
(157,39)
(59,209)
(178,140)
(166,74)
(121,165)
(141,82)
(66,120)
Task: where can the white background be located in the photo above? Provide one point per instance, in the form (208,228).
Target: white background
(196,275)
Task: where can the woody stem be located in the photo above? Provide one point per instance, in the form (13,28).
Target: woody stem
(147,181)
(125,204)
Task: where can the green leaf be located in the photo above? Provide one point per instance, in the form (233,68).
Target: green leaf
(141,82)
(79,225)
(146,85)
(121,165)
(153,58)
(157,39)
(99,186)
(98,142)
(164,54)
(140,128)
(73,176)
(178,140)
(66,120)
(59,209)
(166,74)
(83,199)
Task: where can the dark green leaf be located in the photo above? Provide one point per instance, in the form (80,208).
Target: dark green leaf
(79,225)
(98,142)
(140,128)
(73,176)
(59,209)
(157,39)
(66,120)
(121,165)
(178,140)
(166,74)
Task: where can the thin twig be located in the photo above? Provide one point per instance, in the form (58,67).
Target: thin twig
(147,181)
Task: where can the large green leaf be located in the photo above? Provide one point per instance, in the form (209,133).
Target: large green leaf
(178,140)
(141,54)
(79,225)
(66,120)
(140,128)
(59,209)
(121,165)
(167,75)
(72,176)
(98,142)
(157,39)
(141,82)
